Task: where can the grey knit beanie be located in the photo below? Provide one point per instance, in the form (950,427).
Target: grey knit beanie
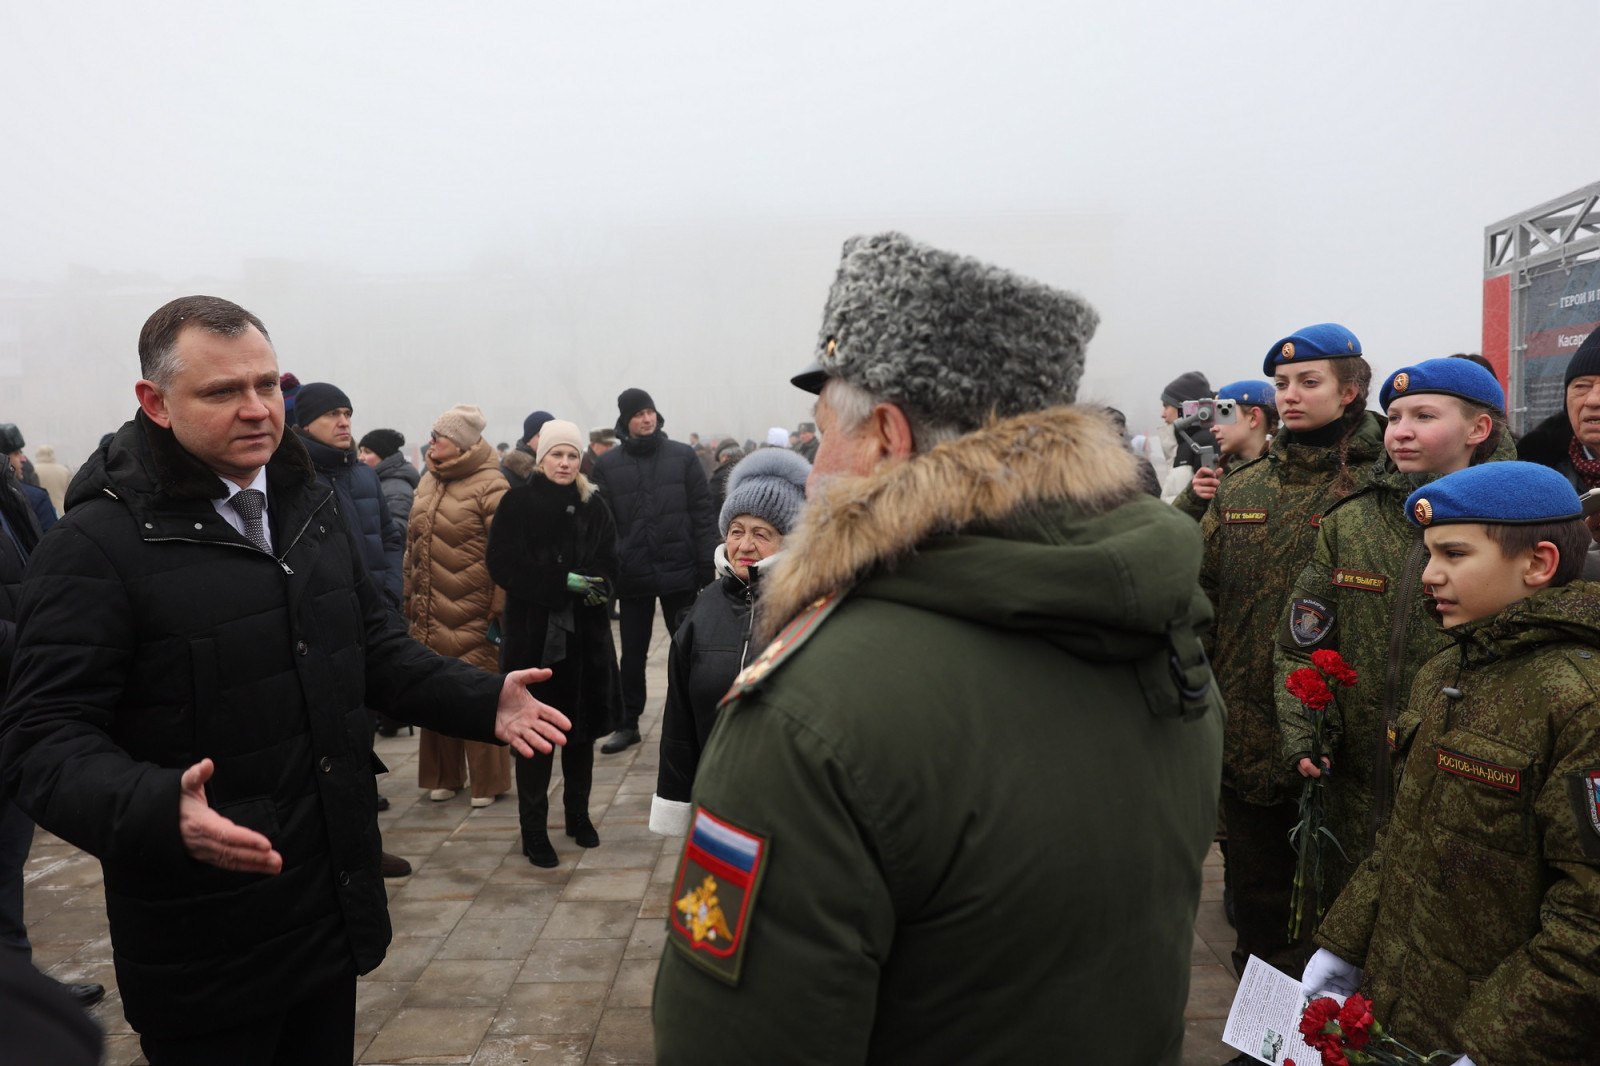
(950,337)
(769,483)
(1184,387)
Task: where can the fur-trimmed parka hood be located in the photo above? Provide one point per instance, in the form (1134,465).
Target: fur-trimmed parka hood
(521,461)
(1035,523)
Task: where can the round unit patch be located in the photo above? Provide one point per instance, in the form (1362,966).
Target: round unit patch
(1288,349)
(1402,382)
(1424,512)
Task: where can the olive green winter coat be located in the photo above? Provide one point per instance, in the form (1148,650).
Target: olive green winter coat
(985,772)
(1477,916)
(1367,570)
(1259,532)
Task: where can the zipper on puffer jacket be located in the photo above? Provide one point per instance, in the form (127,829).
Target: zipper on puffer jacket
(287,569)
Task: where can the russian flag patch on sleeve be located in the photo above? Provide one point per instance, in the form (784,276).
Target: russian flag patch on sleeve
(715,890)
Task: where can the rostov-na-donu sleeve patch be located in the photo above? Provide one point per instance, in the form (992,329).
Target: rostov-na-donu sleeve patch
(714,894)
(1308,622)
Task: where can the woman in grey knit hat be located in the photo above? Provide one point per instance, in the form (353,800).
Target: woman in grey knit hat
(712,644)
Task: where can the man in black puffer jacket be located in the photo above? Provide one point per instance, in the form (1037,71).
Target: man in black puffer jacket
(1568,442)
(198,642)
(322,419)
(666,534)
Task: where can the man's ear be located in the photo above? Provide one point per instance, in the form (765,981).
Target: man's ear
(153,402)
(892,431)
(1542,561)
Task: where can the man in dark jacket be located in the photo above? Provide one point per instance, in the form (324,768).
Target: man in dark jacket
(518,464)
(322,415)
(957,811)
(1569,441)
(19,536)
(380,449)
(210,743)
(666,534)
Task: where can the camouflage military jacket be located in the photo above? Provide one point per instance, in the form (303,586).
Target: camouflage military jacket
(1190,503)
(1259,532)
(1361,595)
(1475,915)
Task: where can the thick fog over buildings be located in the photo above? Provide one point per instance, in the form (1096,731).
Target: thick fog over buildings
(525,206)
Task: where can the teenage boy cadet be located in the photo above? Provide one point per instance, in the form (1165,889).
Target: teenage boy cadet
(1259,532)
(1361,594)
(1238,442)
(1472,924)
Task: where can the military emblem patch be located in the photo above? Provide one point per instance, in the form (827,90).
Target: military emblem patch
(1309,621)
(1355,579)
(1402,382)
(1288,349)
(718,878)
(1243,517)
(1505,777)
(1424,512)
(1583,788)
(1316,521)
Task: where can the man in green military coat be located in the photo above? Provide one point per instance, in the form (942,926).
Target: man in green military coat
(956,811)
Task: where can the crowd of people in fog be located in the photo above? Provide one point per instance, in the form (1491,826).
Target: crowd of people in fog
(962,686)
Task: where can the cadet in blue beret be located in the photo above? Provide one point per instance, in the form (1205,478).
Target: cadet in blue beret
(1445,377)
(1489,865)
(1245,422)
(1361,595)
(1260,530)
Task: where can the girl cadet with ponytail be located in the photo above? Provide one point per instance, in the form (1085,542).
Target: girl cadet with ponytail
(1259,532)
(1364,580)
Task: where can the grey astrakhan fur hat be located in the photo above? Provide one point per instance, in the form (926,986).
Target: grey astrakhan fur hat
(769,483)
(952,338)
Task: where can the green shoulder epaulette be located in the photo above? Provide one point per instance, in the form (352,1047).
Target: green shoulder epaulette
(794,634)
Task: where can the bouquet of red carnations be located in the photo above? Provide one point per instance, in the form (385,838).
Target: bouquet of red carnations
(1351,1036)
(1313,687)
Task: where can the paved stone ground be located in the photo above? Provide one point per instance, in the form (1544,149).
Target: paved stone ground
(496,962)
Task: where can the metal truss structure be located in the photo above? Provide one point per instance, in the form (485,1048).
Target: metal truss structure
(1559,234)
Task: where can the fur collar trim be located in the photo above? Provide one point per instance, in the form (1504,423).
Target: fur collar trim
(520,461)
(857,525)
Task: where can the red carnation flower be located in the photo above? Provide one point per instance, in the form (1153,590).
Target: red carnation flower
(1355,1020)
(1307,686)
(1317,1017)
(1332,663)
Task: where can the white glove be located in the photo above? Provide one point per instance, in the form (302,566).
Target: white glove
(1327,972)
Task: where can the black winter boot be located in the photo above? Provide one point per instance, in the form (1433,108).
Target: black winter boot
(539,850)
(581,830)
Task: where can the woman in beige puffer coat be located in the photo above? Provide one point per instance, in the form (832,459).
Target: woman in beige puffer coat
(449,596)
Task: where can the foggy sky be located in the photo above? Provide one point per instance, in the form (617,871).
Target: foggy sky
(531,205)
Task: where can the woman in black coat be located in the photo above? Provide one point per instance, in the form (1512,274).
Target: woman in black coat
(712,644)
(553,548)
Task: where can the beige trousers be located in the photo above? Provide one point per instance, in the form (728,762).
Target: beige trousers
(445,762)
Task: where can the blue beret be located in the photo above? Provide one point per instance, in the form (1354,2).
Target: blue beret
(1452,377)
(1260,393)
(1329,340)
(1510,493)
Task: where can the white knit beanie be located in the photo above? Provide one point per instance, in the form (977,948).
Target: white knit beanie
(556,432)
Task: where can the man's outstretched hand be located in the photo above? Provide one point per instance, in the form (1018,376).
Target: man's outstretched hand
(524,722)
(213,839)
